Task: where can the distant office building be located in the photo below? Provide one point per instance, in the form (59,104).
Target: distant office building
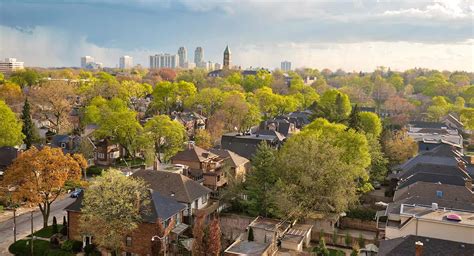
(165,60)
(86,60)
(10,65)
(227,57)
(198,55)
(126,62)
(94,65)
(183,56)
(285,65)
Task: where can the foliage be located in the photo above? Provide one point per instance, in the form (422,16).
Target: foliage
(167,135)
(64,228)
(112,208)
(23,247)
(361,213)
(46,232)
(203,139)
(55,225)
(11,93)
(26,77)
(207,240)
(260,183)
(467,117)
(214,238)
(322,250)
(169,97)
(10,127)
(198,248)
(159,245)
(40,175)
(370,123)
(378,163)
(398,146)
(307,180)
(208,101)
(250,236)
(333,105)
(439,108)
(354,121)
(348,239)
(28,128)
(361,241)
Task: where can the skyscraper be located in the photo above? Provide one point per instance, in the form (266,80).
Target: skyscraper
(286,65)
(183,56)
(125,62)
(165,60)
(198,55)
(86,60)
(227,57)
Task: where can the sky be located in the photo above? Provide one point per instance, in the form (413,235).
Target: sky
(354,35)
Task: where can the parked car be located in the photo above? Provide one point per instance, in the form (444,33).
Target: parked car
(376,185)
(76,192)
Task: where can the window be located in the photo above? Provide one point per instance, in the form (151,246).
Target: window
(128,241)
(439,193)
(196,204)
(63,145)
(204,199)
(101,155)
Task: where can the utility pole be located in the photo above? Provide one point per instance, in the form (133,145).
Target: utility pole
(14,224)
(32,237)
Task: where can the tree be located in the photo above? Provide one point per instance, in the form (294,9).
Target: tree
(203,139)
(399,109)
(399,147)
(28,128)
(322,250)
(11,93)
(467,117)
(208,101)
(112,207)
(199,248)
(214,238)
(54,100)
(39,176)
(439,108)
(116,122)
(159,246)
(317,181)
(10,127)
(260,183)
(250,236)
(55,225)
(378,163)
(355,121)
(131,91)
(168,136)
(334,106)
(26,77)
(65,226)
(370,123)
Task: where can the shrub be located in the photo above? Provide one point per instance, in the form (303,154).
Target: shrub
(22,247)
(1,208)
(362,213)
(55,225)
(67,246)
(64,228)
(348,239)
(94,171)
(76,246)
(361,241)
(90,250)
(334,237)
(250,238)
(321,249)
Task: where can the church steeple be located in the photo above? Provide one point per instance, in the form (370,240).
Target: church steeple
(227,58)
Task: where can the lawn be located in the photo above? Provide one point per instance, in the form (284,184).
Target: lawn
(334,252)
(41,248)
(46,232)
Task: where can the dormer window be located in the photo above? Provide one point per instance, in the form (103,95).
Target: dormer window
(63,145)
(439,193)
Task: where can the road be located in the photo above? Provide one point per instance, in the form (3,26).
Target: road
(23,223)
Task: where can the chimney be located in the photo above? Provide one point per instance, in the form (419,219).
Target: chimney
(434,206)
(418,248)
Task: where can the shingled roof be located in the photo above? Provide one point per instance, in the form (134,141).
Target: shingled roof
(173,185)
(404,246)
(233,159)
(194,154)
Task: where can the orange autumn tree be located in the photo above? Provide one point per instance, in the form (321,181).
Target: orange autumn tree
(38,176)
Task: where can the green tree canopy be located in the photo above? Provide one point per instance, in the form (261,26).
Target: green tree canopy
(334,106)
(168,136)
(10,127)
(371,123)
(112,208)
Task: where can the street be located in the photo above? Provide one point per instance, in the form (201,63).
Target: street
(23,223)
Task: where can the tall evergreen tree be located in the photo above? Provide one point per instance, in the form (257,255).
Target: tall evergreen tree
(354,119)
(260,182)
(28,126)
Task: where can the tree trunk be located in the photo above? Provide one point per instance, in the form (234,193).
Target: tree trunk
(45,209)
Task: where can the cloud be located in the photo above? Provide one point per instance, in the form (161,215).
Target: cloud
(440,9)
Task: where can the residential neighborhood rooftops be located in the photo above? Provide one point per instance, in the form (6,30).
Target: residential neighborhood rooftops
(233,159)
(437,214)
(395,207)
(194,153)
(269,224)
(247,248)
(403,246)
(164,207)
(172,185)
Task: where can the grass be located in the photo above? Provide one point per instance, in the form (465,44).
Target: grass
(22,247)
(334,252)
(46,232)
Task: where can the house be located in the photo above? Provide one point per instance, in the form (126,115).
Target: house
(282,125)
(244,247)
(7,156)
(413,245)
(138,242)
(239,166)
(430,135)
(203,163)
(68,143)
(431,221)
(297,238)
(438,190)
(106,152)
(191,121)
(245,144)
(176,186)
(300,118)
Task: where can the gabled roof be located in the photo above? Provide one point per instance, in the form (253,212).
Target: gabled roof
(433,178)
(7,155)
(164,207)
(433,169)
(403,246)
(173,185)
(194,154)
(232,158)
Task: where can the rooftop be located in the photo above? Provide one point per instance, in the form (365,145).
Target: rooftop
(440,215)
(247,248)
(403,246)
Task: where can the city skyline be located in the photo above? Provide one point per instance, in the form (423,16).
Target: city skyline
(352,35)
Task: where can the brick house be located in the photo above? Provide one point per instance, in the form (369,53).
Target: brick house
(239,166)
(172,197)
(203,163)
(106,152)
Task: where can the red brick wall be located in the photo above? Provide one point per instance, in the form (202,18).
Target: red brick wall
(73,219)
